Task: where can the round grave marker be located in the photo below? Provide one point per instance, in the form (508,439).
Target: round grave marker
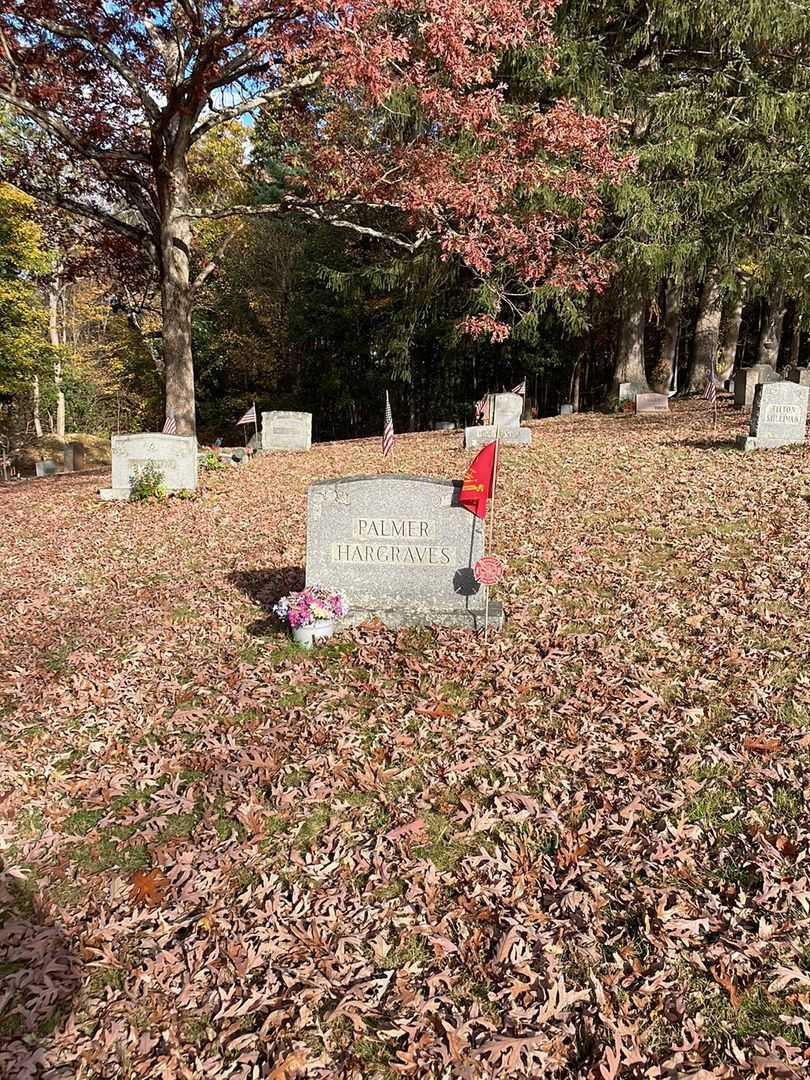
(489,570)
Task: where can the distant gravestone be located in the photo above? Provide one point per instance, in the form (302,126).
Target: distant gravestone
(748,379)
(174,455)
(46,468)
(566,410)
(444,425)
(778,417)
(800,375)
(74,457)
(400,548)
(478,436)
(504,412)
(651,403)
(625,392)
(286,430)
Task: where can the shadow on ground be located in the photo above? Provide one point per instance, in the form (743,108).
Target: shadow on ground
(265,587)
(39,977)
(705,444)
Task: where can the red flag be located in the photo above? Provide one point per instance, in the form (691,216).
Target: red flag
(479,481)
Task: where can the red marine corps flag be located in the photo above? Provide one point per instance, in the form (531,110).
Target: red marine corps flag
(479,481)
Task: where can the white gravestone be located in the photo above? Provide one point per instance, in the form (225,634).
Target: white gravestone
(504,412)
(286,430)
(400,548)
(174,455)
(46,468)
(778,417)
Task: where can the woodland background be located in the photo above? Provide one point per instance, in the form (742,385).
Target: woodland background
(705,238)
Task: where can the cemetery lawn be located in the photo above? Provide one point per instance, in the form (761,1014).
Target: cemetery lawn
(580,850)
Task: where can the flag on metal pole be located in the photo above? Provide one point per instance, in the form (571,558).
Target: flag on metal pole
(170,426)
(388,429)
(520,389)
(479,481)
(481,407)
(249,417)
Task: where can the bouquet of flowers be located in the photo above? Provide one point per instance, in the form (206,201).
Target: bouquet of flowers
(310,605)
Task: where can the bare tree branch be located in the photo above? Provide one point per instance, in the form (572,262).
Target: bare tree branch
(213,263)
(221,115)
(318,214)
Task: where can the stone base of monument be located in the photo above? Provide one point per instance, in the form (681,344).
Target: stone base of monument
(482,434)
(465,618)
(765,442)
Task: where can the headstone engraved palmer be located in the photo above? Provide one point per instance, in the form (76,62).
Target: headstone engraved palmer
(174,455)
(778,417)
(400,547)
(286,430)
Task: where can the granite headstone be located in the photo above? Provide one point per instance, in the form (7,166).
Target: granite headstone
(800,375)
(651,403)
(174,455)
(286,430)
(566,410)
(748,379)
(74,457)
(778,417)
(479,435)
(401,548)
(625,392)
(46,468)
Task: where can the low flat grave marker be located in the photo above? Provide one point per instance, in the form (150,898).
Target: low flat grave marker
(174,455)
(400,548)
(46,468)
(286,430)
(651,403)
(778,417)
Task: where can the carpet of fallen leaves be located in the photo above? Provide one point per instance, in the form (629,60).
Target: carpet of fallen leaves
(581,850)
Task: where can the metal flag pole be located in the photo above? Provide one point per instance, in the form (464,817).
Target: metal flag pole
(491,529)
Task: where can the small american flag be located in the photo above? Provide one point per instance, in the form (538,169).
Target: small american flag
(249,417)
(520,388)
(170,427)
(388,428)
(481,407)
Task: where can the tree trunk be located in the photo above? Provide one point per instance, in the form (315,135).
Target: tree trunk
(54,290)
(175,296)
(630,353)
(35,407)
(796,340)
(707,334)
(773,317)
(729,337)
(661,375)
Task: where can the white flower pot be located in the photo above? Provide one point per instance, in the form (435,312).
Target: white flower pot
(306,635)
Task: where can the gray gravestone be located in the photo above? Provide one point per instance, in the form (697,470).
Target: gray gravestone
(625,392)
(74,457)
(748,379)
(174,455)
(286,430)
(399,547)
(505,412)
(478,436)
(444,425)
(778,417)
(651,403)
(800,375)
(46,468)
(566,410)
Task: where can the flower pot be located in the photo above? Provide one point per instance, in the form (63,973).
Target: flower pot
(306,635)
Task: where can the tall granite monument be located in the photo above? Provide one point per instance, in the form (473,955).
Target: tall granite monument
(401,548)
